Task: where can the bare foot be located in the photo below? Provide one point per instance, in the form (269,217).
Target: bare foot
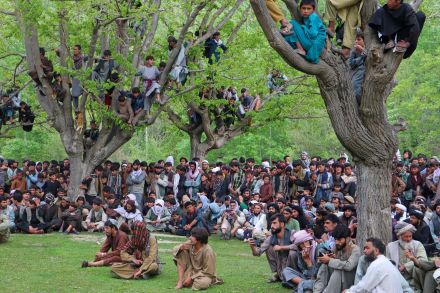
(301,52)
(179,285)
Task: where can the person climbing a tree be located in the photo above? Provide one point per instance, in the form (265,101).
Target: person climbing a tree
(357,65)
(398,26)
(307,38)
(150,75)
(26,116)
(348,12)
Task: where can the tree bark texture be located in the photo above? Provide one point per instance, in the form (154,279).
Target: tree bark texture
(363,130)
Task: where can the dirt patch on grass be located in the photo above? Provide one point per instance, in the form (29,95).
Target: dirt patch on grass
(88,238)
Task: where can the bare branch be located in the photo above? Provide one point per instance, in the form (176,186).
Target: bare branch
(237,28)
(149,37)
(12,54)
(183,31)
(211,30)
(176,120)
(6,12)
(293,8)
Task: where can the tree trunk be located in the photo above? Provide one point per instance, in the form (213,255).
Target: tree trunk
(79,169)
(373,190)
(198,149)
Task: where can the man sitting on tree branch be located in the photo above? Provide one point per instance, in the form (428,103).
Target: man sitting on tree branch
(398,26)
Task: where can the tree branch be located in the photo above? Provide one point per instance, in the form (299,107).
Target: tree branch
(175,52)
(177,121)
(7,12)
(211,30)
(149,37)
(276,41)
(237,28)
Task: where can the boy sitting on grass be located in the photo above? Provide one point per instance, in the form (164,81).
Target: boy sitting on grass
(307,38)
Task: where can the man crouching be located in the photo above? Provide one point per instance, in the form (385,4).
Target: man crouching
(195,261)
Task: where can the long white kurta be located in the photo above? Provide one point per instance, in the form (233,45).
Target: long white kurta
(381,277)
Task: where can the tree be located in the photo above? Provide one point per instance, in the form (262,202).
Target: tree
(363,130)
(36,20)
(241,66)
(210,130)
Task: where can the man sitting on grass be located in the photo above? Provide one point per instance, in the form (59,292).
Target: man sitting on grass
(195,261)
(116,241)
(140,257)
(4,228)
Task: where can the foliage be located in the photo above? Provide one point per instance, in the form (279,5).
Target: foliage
(246,64)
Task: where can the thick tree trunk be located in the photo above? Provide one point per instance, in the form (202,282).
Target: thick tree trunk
(79,169)
(373,195)
(198,148)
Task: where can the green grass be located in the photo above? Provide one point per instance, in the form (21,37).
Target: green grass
(51,263)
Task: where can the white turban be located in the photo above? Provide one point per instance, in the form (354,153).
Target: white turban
(402,227)
(401,206)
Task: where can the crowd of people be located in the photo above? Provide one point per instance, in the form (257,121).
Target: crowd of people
(301,212)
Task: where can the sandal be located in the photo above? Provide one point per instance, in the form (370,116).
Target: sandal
(399,49)
(389,45)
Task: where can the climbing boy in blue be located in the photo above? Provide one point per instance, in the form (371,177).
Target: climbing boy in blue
(307,38)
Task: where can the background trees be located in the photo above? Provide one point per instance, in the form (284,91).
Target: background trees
(247,63)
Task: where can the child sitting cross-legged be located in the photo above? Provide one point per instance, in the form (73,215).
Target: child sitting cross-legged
(307,38)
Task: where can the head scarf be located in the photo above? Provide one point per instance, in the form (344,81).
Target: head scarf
(139,238)
(401,206)
(170,159)
(402,227)
(302,236)
(157,209)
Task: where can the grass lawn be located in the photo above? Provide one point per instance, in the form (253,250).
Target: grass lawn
(52,263)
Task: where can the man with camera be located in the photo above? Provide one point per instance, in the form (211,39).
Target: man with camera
(338,269)
(277,247)
(232,220)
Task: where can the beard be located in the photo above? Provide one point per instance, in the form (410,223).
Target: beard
(340,247)
(275,231)
(405,245)
(370,257)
